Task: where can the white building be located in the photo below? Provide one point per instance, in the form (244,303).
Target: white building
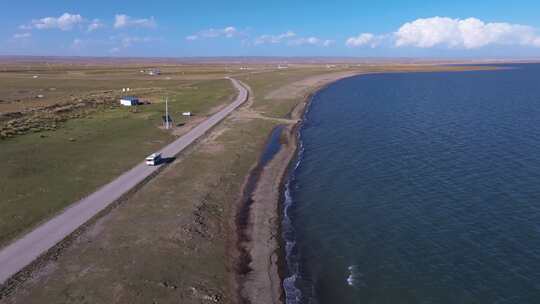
(129,101)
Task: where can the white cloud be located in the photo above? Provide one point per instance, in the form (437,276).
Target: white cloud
(291,38)
(288,37)
(77,44)
(118,43)
(364,39)
(311,41)
(124,21)
(230,31)
(22,35)
(327,43)
(274,39)
(65,22)
(468,33)
(227,32)
(129,41)
(95,25)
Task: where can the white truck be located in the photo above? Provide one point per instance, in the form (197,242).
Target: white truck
(154,159)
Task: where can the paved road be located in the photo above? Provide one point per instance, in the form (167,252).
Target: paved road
(22,252)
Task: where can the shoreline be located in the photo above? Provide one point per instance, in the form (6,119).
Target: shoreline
(301,110)
(280,167)
(260,259)
(243,219)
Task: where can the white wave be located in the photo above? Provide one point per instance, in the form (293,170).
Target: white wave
(293,295)
(355,277)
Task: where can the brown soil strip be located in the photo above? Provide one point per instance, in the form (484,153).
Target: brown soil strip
(304,87)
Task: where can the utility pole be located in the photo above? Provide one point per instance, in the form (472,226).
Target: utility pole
(167,113)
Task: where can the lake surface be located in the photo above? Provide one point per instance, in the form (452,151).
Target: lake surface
(418,188)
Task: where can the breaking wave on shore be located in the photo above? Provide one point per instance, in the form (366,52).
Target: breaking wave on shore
(293,295)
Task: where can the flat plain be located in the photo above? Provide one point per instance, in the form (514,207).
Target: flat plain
(66,154)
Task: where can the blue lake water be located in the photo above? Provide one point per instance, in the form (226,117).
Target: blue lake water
(418,188)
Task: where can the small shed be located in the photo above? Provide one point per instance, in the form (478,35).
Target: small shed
(129,101)
(154,72)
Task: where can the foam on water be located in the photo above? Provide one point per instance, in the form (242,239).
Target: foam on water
(350,278)
(355,277)
(293,295)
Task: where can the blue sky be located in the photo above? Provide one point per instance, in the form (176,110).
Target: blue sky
(413,28)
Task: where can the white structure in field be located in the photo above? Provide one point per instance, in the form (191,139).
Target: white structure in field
(186,114)
(129,101)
